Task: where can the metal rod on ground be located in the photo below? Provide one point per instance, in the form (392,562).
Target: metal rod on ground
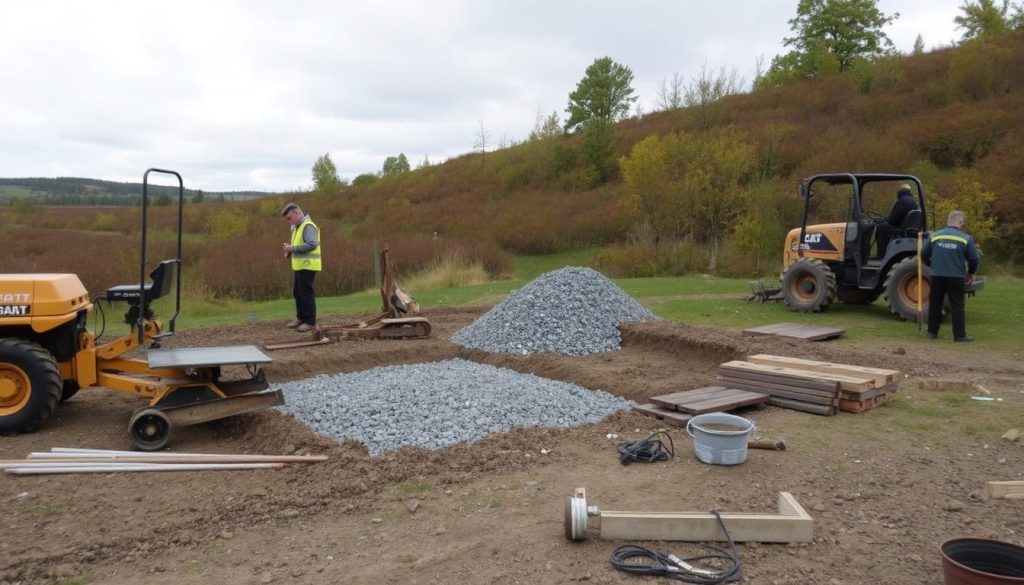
(115,468)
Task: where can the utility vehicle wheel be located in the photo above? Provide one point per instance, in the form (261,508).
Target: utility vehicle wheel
(901,290)
(30,385)
(150,429)
(808,285)
(856,296)
(70,388)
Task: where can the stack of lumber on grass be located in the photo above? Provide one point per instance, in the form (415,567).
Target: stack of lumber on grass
(811,386)
(677,408)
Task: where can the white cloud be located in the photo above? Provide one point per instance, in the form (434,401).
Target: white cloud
(246,95)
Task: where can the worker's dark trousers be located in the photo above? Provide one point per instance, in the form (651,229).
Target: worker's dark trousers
(953,287)
(305,300)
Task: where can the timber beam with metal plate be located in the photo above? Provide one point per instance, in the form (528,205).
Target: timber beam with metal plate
(791,524)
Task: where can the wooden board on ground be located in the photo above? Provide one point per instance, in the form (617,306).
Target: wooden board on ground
(791,524)
(709,399)
(879,375)
(669,417)
(1013,490)
(796,331)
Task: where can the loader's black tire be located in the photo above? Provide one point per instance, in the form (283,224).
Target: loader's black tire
(69,389)
(30,385)
(901,290)
(808,285)
(856,296)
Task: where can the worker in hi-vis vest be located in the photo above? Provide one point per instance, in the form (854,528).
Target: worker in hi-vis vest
(953,259)
(304,251)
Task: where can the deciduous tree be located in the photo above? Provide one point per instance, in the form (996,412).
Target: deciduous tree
(325,174)
(983,18)
(395,165)
(830,35)
(604,94)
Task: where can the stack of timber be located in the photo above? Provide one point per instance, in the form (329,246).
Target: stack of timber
(677,408)
(811,386)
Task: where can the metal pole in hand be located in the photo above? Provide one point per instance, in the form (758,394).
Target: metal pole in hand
(919,302)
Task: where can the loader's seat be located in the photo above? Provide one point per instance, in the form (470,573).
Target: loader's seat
(911,223)
(162,276)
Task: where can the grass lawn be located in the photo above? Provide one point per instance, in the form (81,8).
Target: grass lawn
(994,317)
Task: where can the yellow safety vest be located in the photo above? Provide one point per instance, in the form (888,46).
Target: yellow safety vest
(310,260)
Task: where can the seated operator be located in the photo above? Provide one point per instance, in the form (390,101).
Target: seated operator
(884,230)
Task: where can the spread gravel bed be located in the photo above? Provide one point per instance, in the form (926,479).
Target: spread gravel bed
(439,404)
(572,311)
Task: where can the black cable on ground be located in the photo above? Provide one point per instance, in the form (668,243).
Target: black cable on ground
(628,558)
(648,450)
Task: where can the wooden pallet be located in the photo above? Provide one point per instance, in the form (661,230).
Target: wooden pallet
(709,399)
(796,331)
(669,417)
(863,405)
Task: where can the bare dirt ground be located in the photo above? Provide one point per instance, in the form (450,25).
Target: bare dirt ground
(885,487)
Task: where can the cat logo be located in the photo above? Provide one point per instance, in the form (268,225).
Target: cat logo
(816,241)
(14,310)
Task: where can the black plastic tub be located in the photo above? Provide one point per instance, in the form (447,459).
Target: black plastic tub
(979,561)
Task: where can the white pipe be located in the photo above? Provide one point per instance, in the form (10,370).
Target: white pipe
(128,467)
(172,458)
(137,456)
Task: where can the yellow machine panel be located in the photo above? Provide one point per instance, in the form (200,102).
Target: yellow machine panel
(826,242)
(43,301)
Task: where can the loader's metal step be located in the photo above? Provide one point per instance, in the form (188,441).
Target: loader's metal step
(206,357)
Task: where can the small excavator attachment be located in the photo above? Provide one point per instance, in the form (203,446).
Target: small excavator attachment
(398,318)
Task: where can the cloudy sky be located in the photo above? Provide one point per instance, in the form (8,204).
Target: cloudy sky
(246,95)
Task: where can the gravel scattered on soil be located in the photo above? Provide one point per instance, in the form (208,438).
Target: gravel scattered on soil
(440,404)
(572,311)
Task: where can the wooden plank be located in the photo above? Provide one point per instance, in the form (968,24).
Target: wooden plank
(802,406)
(785,393)
(879,375)
(769,329)
(710,399)
(858,406)
(724,403)
(868,394)
(1005,489)
(795,331)
(851,383)
(671,400)
(791,524)
(811,333)
(669,417)
(808,385)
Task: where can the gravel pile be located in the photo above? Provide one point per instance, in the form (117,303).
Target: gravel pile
(572,311)
(439,404)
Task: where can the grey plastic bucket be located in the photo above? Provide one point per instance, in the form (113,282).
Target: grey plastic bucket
(720,446)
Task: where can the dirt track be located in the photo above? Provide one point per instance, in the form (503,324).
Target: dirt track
(885,487)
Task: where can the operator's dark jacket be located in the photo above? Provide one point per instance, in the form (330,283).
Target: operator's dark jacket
(905,203)
(950,252)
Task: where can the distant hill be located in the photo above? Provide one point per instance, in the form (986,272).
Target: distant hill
(78,191)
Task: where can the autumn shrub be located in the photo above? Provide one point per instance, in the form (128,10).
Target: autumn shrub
(636,260)
(227,224)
